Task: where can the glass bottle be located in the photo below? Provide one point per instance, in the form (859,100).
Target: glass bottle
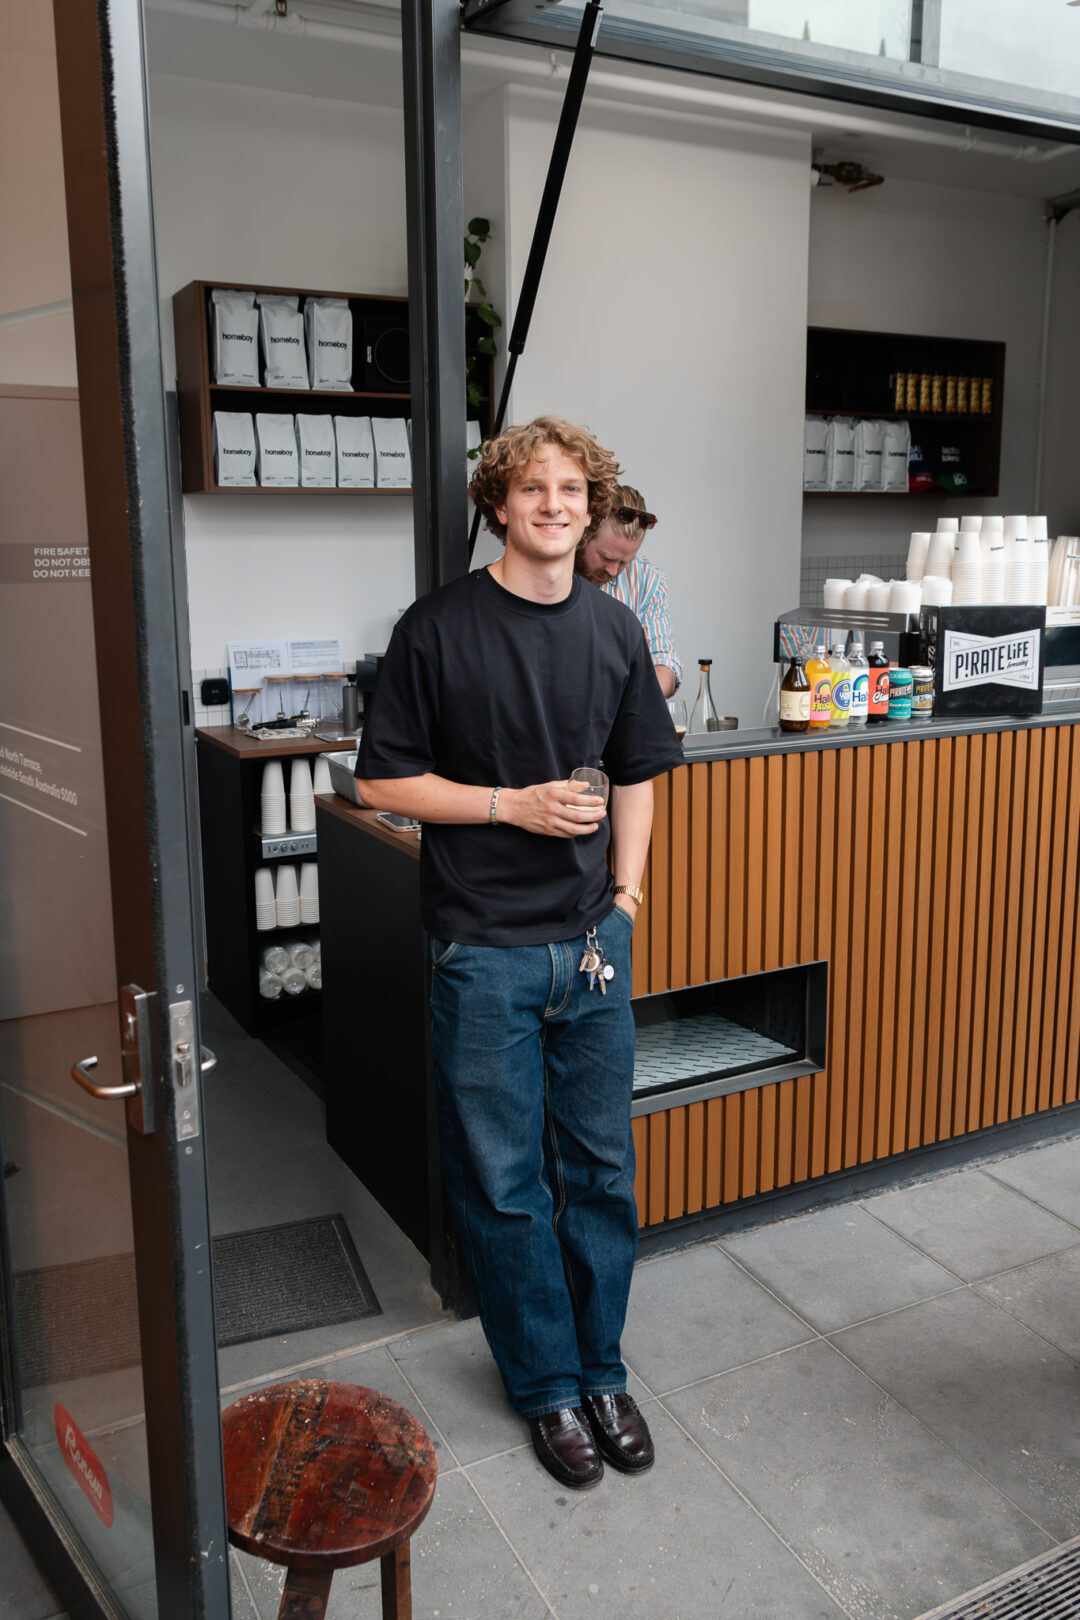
(795,698)
(860,679)
(819,674)
(703,716)
(879,682)
(840,707)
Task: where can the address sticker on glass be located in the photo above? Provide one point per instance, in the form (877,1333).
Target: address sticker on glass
(1011,660)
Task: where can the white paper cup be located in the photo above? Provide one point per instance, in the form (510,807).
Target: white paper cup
(1015,528)
(939,556)
(905,596)
(855,597)
(918,547)
(948,525)
(301,797)
(323,783)
(834,592)
(309,892)
(970,525)
(968,553)
(992,523)
(270,986)
(287,896)
(272,814)
(1036,528)
(877,598)
(936,590)
(266,917)
(273,782)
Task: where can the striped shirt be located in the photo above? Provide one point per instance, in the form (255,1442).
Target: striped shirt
(643,589)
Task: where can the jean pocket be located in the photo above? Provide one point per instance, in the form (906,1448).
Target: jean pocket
(441,950)
(621,911)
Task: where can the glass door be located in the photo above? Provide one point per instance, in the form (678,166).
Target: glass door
(111,1455)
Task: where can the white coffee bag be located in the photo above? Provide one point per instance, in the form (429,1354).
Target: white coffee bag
(278,462)
(815,466)
(281,330)
(235,336)
(329,326)
(393,463)
(895,453)
(318,451)
(840,452)
(234,449)
(869,443)
(355,452)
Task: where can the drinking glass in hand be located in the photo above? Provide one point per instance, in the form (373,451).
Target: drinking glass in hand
(677,711)
(596,780)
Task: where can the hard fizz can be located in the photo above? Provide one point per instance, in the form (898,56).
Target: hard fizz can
(922,691)
(900,684)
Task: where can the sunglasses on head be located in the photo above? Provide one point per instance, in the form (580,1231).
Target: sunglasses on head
(630,514)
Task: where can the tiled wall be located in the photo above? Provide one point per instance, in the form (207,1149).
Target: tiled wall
(203,715)
(816,570)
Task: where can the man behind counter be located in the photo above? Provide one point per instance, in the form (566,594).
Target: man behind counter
(610,560)
(494,689)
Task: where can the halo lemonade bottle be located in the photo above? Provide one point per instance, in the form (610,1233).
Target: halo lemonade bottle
(840,701)
(819,674)
(860,679)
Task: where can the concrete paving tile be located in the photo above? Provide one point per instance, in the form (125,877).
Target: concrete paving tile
(1050,1175)
(838,1266)
(452,1371)
(1045,1295)
(972,1224)
(890,1521)
(697,1313)
(996,1392)
(24,1591)
(676,1543)
(462,1569)
(374,1369)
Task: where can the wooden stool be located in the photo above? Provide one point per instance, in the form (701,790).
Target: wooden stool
(323,1476)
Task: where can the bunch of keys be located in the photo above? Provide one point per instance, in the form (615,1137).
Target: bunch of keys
(594,963)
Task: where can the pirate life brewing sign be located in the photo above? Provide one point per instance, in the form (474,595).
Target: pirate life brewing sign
(986,660)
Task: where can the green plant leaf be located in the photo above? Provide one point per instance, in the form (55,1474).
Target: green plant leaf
(479,285)
(473,393)
(486,345)
(479,227)
(487,315)
(472,253)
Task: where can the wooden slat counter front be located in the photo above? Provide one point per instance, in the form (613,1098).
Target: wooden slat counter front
(935,868)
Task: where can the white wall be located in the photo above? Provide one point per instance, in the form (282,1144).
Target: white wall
(254,185)
(671,320)
(941,262)
(1061,464)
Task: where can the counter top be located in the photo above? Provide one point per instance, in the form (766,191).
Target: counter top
(243,746)
(771,740)
(368,821)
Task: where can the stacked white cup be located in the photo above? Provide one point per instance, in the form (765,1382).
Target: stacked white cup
(937,590)
(939,555)
(1017,561)
(301,797)
(1039,565)
(877,597)
(905,596)
(270,986)
(323,783)
(834,592)
(272,799)
(916,557)
(856,596)
(992,542)
(287,896)
(309,893)
(967,569)
(265,904)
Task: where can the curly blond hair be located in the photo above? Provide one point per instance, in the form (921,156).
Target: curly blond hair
(515,447)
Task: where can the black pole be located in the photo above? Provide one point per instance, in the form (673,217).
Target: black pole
(431,65)
(545,219)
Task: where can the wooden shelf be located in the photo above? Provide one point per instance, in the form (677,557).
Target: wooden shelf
(374,314)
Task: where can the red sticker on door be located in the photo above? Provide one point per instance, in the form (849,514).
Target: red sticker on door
(84,1464)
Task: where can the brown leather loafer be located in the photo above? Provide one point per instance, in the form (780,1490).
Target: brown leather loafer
(564,1445)
(621,1433)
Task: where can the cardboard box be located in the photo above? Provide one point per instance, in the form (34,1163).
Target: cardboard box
(986,660)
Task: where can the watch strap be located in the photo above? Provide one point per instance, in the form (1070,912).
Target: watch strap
(637,895)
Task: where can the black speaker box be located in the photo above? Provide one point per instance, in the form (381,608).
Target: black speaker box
(384,354)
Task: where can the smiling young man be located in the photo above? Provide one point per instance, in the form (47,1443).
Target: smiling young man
(494,689)
(610,560)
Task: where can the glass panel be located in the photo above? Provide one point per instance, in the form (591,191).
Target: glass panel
(72,1379)
(994,60)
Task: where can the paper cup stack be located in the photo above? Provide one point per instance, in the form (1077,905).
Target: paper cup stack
(1017,561)
(939,554)
(916,557)
(905,595)
(936,590)
(856,596)
(834,592)
(272,799)
(877,597)
(967,569)
(992,541)
(1039,563)
(301,797)
(309,894)
(323,783)
(265,904)
(287,896)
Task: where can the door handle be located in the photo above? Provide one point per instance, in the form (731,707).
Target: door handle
(81,1077)
(209,1060)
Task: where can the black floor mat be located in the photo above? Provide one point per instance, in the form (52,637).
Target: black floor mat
(79,1320)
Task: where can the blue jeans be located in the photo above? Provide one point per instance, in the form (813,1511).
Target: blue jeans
(534,1076)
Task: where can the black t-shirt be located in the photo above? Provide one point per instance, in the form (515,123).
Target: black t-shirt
(484,687)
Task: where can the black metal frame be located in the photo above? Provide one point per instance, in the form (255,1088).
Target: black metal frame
(143,669)
(746,62)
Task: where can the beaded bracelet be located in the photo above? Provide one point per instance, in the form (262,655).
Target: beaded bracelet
(494,804)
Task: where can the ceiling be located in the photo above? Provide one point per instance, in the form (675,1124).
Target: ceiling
(348,51)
